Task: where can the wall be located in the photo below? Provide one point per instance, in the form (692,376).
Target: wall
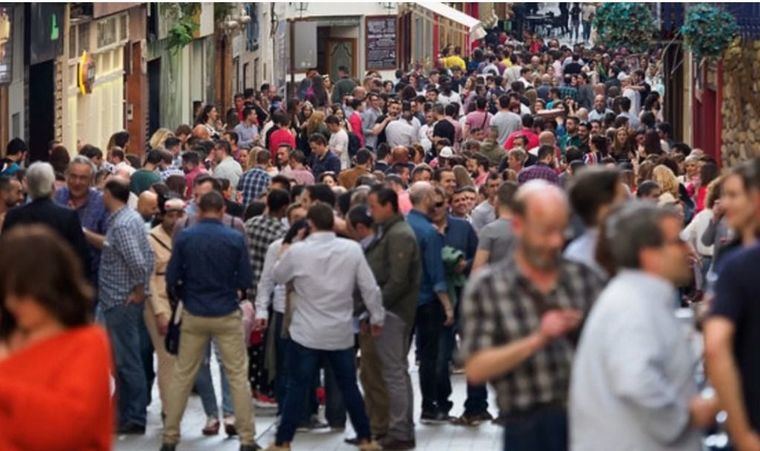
(741,103)
(15,90)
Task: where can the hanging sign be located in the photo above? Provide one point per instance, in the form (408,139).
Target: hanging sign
(85,73)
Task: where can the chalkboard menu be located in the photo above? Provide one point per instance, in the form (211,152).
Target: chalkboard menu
(381,42)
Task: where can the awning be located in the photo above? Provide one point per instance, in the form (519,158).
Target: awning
(472,24)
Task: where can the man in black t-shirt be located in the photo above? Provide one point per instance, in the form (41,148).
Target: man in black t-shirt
(442,128)
(732,339)
(394,108)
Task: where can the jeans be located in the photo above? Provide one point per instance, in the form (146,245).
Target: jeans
(429,324)
(124,323)
(586,30)
(575,30)
(335,408)
(205,386)
(446,345)
(544,429)
(282,346)
(303,362)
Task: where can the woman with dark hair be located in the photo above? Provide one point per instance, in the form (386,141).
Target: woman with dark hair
(408,93)
(209,118)
(707,173)
(54,365)
(59,159)
(317,93)
(652,144)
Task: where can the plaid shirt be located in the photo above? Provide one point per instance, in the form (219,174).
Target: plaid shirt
(253,184)
(261,231)
(538,171)
(568,92)
(127,258)
(500,306)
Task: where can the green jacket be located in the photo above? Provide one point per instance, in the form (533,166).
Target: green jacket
(395,261)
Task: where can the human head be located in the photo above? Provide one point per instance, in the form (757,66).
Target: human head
(446,180)
(739,195)
(80,176)
(11,192)
(318,192)
(115,194)
(318,144)
(421,194)
(383,203)
(643,236)
(40,180)
(147,204)
(594,191)
(321,217)
(459,202)
(172,210)
(42,280)
(540,218)
(648,190)
(211,206)
(359,222)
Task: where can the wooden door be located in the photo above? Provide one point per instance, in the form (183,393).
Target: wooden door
(341,52)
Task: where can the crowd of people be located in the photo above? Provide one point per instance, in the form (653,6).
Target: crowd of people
(524,214)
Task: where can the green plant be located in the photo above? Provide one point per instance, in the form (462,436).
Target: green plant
(708,30)
(628,25)
(181,33)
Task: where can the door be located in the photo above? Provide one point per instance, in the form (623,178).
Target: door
(341,52)
(154,95)
(41,109)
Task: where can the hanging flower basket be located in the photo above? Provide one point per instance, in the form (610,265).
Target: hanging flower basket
(628,25)
(708,30)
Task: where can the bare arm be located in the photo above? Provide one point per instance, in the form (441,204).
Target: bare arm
(493,362)
(480,260)
(724,376)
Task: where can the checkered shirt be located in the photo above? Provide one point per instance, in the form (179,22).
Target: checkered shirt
(253,184)
(261,231)
(126,260)
(500,306)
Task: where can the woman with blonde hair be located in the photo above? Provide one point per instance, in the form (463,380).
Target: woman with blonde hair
(159,137)
(462,177)
(666,179)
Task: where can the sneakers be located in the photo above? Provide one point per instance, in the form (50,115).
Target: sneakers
(263,401)
(212,426)
(131,429)
(229,425)
(253,447)
(311,424)
(434,418)
(472,419)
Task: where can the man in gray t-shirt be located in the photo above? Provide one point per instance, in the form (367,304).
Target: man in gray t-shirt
(496,240)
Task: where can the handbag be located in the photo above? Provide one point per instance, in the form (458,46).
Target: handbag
(171,341)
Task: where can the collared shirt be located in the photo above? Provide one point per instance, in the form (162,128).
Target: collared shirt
(327,162)
(583,250)
(93,216)
(247,134)
(208,265)
(325,272)
(229,169)
(431,246)
(127,259)
(502,306)
(268,291)
(261,231)
(634,371)
(538,171)
(253,184)
(400,133)
(369,117)
(460,235)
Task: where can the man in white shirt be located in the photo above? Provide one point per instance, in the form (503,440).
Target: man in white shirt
(226,166)
(402,131)
(325,272)
(338,143)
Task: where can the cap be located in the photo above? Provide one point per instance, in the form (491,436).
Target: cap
(446,152)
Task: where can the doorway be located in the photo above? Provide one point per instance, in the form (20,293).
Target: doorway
(154,95)
(341,52)
(41,109)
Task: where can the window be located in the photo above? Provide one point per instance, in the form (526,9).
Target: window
(252,31)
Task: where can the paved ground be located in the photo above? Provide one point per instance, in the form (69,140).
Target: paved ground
(486,437)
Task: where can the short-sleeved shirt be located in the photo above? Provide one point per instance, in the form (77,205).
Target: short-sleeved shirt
(478,119)
(497,238)
(445,129)
(736,299)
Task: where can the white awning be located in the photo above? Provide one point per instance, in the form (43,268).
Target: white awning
(473,24)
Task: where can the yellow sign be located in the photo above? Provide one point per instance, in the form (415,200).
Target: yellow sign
(85,73)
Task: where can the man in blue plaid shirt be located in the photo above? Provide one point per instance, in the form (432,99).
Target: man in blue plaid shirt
(254,183)
(125,267)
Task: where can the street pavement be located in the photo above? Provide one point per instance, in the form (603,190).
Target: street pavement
(485,437)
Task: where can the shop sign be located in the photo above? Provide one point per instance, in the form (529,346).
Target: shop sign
(85,73)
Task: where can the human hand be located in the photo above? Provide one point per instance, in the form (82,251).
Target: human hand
(558,322)
(703,411)
(137,296)
(376,330)
(260,324)
(449,312)
(461,266)
(162,323)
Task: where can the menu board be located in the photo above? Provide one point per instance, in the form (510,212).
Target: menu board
(381,42)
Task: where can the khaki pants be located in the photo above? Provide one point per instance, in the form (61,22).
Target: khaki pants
(373,383)
(165,360)
(227,332)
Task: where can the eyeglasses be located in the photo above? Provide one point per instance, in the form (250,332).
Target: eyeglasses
(440,204)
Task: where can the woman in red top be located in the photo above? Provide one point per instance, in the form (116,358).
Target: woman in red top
(54,366)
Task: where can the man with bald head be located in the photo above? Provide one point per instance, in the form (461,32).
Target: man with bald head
(519,319)
(600,109)
(147,206)
(434,308)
